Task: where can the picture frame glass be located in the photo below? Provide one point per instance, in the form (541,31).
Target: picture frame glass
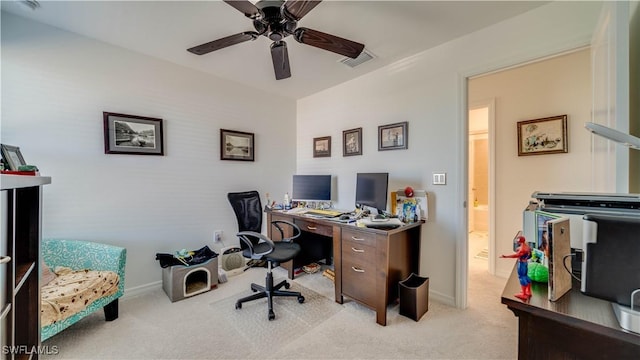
(542,136)
(322,146)
(236,145)
(131,134)
(352,142)
(393,136)
(12,157)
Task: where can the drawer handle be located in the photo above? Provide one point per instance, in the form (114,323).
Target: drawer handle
(357,250)
(4,259)
(357,239)
(357,269)
(311,227)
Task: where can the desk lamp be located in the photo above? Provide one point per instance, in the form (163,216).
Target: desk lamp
(615,135)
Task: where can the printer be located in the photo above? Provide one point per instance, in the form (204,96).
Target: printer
(575,205)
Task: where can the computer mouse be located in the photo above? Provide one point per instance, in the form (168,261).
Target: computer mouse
(345,217)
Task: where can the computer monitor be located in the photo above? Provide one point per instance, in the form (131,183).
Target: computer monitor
(311,188)
(371,190)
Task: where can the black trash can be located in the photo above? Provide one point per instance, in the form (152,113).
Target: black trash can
(414,296)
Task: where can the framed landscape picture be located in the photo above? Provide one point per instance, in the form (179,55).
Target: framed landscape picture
(236,145)
(352,142)
(322,146)
(543,136)
(131,134)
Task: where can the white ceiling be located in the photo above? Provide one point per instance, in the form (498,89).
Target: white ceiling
(391,30)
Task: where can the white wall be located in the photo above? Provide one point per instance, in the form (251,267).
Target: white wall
(428,91)
(55,86)
(557,86)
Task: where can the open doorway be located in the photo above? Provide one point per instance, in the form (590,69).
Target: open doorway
(480,180)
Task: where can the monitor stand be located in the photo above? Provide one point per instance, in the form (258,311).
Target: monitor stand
(628,318)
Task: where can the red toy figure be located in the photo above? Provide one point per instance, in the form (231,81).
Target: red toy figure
(523,254)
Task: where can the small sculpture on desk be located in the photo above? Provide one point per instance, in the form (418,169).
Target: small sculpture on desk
(523,254)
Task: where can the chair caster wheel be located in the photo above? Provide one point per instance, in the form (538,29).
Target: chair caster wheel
(300,299)
(238,305)
(272,315)
(287,285)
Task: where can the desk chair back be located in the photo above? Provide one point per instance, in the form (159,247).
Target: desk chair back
(248,210)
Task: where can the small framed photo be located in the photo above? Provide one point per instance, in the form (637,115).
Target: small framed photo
(322,147)
(236,145)
(543,136)
(393,136)
(352,142)
(133,135)
(12,157)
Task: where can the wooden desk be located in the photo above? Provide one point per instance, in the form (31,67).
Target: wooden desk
(368,263)
(574,327)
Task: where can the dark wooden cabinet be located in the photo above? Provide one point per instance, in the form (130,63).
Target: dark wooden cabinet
(575,326)
(20,234)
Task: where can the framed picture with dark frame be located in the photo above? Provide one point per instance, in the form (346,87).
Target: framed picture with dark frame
(133,135)
(237,145)
(12,157)
(322,146)
(393,136)
(352,142)
(543,136)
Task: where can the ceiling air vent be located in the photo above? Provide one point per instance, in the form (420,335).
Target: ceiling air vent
(364,56)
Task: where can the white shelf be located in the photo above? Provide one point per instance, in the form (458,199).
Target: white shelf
(21,181)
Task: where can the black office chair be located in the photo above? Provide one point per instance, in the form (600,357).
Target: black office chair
(257,246)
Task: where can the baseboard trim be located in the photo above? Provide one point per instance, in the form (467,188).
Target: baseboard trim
(442,298)
(141,290)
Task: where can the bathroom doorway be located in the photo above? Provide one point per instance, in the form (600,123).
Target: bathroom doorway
(480,186)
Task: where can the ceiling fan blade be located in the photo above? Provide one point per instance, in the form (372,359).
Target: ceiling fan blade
(247,8)
(223,43)
(296,9)
(280,57)
(329,42)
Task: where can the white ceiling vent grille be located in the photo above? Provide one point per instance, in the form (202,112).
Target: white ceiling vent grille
(364,56)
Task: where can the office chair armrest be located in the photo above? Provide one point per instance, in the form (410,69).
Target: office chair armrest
(296,229)
(244,237)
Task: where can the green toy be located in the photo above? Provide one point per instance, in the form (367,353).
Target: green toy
(538,272)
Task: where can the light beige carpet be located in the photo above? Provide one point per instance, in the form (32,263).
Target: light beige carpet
(293,319)
(208,326)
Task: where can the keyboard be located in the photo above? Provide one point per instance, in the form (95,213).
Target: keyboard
(324,213)
(298,210)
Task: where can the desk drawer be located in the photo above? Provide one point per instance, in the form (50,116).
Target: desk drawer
(358,237)
(359,277)
(314,227)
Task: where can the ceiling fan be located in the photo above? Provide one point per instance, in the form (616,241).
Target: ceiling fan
(277,19)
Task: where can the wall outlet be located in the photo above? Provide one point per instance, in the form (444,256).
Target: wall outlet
(217,235)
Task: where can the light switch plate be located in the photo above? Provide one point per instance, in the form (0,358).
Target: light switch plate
(439,178)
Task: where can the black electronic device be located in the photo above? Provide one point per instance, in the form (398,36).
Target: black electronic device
(383,225)
(345,217)
(311,188)
(611,268)
(372,190)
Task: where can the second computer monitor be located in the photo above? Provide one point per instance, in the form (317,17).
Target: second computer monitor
(371,190)
(311,188)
